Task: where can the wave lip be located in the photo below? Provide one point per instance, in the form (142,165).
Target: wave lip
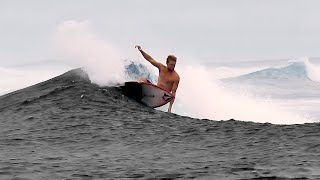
(135,70)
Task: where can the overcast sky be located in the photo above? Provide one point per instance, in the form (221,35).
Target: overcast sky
(209,30)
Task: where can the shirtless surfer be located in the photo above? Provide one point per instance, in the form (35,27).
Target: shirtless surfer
(168,77)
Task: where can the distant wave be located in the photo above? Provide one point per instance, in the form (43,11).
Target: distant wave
(296,80)
(296,70)
(301,70)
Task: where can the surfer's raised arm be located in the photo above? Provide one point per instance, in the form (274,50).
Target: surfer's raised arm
(148,57)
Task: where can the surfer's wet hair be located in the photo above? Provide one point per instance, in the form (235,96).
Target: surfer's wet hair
(171,58)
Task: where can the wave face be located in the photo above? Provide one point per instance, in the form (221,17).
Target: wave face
(69,128)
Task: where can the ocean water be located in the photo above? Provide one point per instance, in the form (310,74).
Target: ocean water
(231,120)
(69,128)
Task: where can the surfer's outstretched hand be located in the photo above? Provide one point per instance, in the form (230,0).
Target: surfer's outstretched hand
(139,47)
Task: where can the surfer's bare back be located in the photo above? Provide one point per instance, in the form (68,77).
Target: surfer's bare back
(168,77)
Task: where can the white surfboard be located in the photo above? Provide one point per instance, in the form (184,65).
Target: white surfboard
(147,93)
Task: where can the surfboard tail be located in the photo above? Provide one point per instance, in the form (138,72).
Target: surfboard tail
(132,90)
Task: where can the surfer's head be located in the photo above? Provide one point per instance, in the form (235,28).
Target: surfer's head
(171,62)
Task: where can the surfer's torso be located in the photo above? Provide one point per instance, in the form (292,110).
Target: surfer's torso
(167,78)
